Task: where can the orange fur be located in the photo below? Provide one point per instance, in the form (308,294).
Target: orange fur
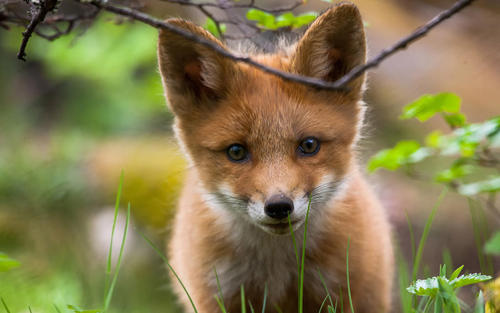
(220,221)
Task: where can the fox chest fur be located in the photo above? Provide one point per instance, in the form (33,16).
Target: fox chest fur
(266,156)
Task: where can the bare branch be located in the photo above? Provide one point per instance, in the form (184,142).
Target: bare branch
(41,11)
(339,85)
(231,5)
(145,18)
(403,43)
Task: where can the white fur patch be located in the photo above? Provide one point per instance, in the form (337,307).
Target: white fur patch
(261,258)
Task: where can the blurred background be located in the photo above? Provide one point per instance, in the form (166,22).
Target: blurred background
(89,105)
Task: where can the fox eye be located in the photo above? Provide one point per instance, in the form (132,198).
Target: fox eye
(309,146)
(237,153)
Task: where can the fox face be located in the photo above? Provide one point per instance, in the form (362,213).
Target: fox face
(264,149)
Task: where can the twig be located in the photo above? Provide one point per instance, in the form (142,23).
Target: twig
(339,85)
(403,43)
(39,15)
(230,5)
(145,18)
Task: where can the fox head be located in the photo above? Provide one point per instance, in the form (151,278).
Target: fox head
(264,148)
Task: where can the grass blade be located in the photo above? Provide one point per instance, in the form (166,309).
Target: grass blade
(109,294)
(341,298)
(322,279)
(425,234)
(251,307)
(323,304)
(347,273)
(220,303)
(5,305)
(404,282)
(164,258)
(412,234)
(294,244)
(265,299)
(477,235)
(57,309)
(302,261)
(219,290)
(115,217)
(243,301)
(29,308)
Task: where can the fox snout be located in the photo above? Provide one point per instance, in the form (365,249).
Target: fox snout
(278,206)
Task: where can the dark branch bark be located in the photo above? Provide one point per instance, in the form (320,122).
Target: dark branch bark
(231,5)
(403,43)
(41,11)
(339,85)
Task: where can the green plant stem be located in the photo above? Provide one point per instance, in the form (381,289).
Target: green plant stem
(302,261)
(425,234)
(115,217)
(109,295)
(164,258)
(347,273)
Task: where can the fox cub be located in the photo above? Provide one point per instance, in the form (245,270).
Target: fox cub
(261,149)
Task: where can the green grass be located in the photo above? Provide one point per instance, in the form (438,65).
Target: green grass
(440,303)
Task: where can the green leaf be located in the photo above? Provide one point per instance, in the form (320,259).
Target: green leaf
(304,19)
(456,272)
(490,185)
(285,19)
(262,18)
(288,19)
(424,287)
(434,285)
(453,173)
(75,309)
(471,135)
(479,307)
(455,120)
(468,279)
(7,263)
(426,106)
(434,139)
(492,246)
(211,26)
(405,152)
(450,300)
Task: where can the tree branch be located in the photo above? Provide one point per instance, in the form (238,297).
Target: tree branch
(339,85)
(41,11)
(403,43)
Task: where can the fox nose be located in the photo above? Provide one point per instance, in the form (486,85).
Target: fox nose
(278,206)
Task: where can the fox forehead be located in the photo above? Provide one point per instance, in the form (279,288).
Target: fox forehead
(260,108)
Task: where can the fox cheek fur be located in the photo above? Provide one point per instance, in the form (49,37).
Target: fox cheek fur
(244,133)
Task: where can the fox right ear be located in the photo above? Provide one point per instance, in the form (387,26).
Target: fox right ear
(190,69)
(332,46)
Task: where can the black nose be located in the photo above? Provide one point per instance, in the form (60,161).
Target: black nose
(278,206)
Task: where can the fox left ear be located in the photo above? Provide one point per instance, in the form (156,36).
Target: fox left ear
(191,71)
(332,46)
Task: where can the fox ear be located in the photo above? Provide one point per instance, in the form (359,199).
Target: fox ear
(332,46)
(189,69)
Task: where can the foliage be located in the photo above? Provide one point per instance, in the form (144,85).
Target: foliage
(7,263)
(441,291)
(493,245)
(469,146)
(288,19)
(211,26)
